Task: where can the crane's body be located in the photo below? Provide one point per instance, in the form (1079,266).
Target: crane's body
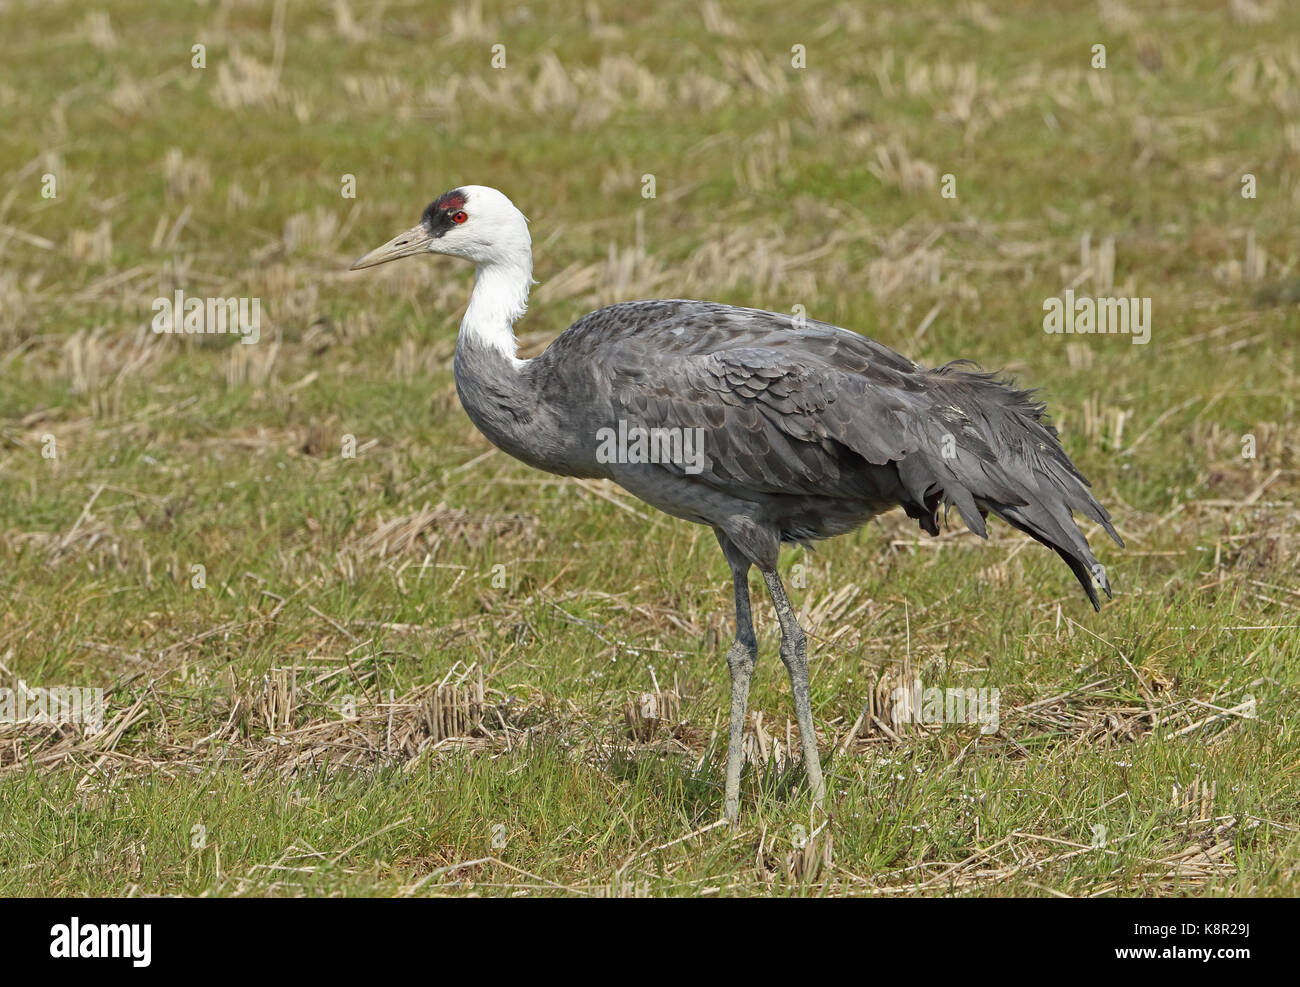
(809,430)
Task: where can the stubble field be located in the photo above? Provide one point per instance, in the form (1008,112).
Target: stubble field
(425,669)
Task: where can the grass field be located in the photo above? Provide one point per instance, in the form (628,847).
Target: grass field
(421,669)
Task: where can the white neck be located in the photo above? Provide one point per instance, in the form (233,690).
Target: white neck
(500,297)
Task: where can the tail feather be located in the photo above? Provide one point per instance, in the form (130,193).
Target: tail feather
(1067,542)
(989,447)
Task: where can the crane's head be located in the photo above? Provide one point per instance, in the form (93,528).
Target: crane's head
(474,222)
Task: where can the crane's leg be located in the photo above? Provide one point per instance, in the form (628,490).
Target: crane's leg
(794,652)
(740,662)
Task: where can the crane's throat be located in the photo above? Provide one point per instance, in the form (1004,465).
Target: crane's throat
(500,297)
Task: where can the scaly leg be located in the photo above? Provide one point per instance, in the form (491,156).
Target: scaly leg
(740,662)
(794,652)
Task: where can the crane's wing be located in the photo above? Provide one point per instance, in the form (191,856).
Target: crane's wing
(769,426)
(799,414)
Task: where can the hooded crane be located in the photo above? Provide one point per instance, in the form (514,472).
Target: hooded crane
(808,430)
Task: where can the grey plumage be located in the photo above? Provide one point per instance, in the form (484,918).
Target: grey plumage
(809,430)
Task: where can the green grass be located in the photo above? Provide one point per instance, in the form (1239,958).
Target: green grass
(228,767)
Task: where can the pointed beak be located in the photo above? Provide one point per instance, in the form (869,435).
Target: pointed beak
(413,241)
